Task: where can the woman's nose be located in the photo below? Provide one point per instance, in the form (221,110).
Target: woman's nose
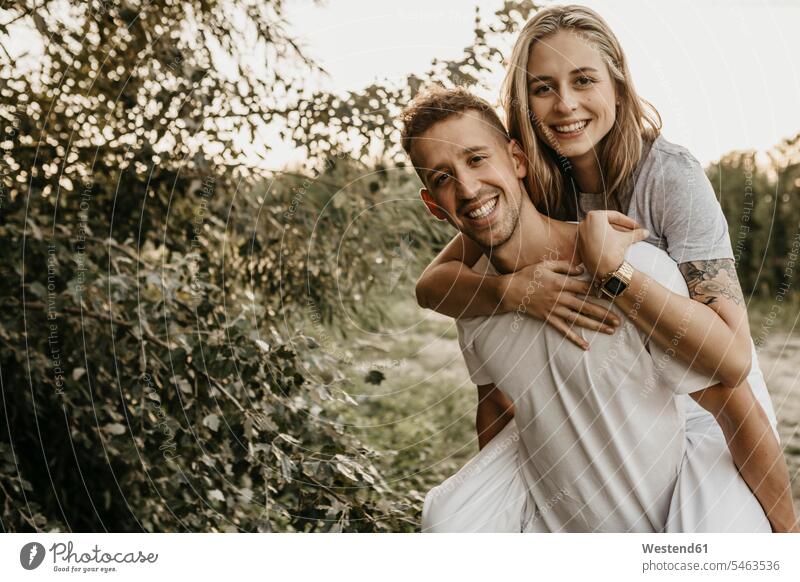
(566,103)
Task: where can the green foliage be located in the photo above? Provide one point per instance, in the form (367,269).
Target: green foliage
(761,201)
(167,353)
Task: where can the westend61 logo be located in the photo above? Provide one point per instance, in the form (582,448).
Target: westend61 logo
(66,559)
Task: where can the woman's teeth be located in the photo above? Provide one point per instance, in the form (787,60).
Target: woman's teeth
(573,127)
(483,210)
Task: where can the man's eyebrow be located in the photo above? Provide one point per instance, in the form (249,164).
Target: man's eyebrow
(535,78)
(473,149)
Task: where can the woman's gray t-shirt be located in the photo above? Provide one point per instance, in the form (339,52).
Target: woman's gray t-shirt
(673,199)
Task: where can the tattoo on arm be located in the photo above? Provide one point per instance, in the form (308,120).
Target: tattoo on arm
(710,280)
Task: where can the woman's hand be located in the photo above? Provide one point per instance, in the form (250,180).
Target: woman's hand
(549,291)
(603,238)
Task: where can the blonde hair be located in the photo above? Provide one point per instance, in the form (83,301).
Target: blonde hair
(549,179)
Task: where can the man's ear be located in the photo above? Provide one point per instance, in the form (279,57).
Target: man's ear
(520,161)
(431,204)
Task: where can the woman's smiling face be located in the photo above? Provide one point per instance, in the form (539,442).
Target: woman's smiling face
(571,94)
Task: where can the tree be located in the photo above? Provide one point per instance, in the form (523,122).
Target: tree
(761,201)
(157,369)
(145,384)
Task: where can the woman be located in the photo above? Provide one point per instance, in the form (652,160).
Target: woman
(591,144)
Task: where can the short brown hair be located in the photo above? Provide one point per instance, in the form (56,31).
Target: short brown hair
(434,104)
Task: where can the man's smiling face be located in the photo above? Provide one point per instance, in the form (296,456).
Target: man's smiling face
(472,177)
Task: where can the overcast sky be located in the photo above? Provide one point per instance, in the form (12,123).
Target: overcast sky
(722,73)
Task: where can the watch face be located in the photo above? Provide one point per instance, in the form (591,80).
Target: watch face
(615,286)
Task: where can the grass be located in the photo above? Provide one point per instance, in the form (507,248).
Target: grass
(421,413)
(781,313)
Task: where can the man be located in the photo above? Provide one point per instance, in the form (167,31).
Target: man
(597,437)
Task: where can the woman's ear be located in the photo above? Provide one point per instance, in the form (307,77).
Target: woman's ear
(520,161)
(619,93)
(433,207)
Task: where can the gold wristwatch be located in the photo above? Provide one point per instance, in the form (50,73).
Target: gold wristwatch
(616,282)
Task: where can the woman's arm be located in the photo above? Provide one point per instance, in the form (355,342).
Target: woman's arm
(714,284)
(707,330)
(754,449)
(450,286)
(544,290)
(695,333)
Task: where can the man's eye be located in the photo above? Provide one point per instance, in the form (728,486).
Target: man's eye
(441,179)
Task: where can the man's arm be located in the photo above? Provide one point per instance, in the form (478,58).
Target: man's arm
(754,449)
(494,412)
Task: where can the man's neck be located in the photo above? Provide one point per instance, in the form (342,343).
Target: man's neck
(537,238)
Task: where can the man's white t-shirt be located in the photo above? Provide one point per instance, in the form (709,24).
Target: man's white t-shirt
(601,431)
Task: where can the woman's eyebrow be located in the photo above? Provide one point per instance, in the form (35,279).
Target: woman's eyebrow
(540,78)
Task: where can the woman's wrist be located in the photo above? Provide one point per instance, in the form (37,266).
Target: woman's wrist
(606,265)
(499,284)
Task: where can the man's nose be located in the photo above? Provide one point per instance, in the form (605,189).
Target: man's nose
(468,185)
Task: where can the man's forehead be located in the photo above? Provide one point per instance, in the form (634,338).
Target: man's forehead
(458,134)
(464,127)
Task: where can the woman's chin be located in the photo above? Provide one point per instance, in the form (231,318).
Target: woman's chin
(577,152)
(574,150)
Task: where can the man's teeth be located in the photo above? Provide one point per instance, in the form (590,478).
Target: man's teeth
(483,210)
(577,126)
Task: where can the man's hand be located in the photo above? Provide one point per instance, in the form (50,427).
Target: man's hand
(603,238)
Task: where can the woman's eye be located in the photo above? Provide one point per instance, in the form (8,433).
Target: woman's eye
(476,159)
(541,89)
(584,81)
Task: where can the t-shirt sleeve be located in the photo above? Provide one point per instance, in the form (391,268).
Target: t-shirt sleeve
(475,367)
(685,207)
(670,372)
